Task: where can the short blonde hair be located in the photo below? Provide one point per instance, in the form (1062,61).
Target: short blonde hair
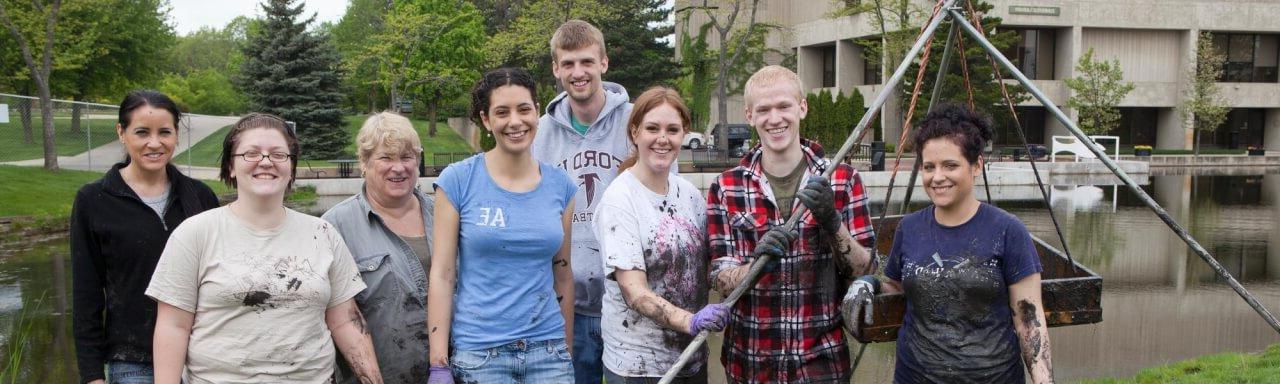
(770,75)
(388,130)
(576,34)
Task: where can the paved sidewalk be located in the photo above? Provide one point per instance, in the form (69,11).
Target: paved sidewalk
(101,158)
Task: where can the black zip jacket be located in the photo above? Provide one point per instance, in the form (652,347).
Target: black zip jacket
(116,240)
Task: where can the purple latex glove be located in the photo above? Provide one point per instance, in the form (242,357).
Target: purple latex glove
(440,375)
(709,318)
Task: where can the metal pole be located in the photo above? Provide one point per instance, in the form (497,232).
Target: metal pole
(933,101)
(88,139)
(1101,153)
(758,265)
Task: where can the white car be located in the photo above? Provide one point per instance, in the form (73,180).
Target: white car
(694,140)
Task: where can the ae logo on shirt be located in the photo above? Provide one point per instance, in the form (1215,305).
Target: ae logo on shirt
(492,217)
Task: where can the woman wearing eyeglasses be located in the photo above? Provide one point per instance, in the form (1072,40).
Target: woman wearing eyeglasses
(254,291)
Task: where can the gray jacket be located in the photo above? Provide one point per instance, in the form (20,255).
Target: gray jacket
(591,160)
(395,302)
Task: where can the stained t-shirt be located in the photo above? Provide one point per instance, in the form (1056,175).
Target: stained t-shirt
(665,236)
(958,327)
(259,297)
(506,244)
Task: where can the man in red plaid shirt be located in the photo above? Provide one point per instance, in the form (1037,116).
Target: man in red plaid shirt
(787,328)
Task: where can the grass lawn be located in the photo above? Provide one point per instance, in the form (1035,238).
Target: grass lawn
(32,191)
(206,152)
(12,147)
(1220,368)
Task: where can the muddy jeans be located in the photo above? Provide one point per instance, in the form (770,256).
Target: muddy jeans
(519,361)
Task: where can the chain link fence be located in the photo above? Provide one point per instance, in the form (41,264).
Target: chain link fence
(85,135)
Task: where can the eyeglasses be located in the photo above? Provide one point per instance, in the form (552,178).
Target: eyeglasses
(254,157)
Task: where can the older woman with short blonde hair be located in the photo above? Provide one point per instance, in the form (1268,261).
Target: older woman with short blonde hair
(386,226)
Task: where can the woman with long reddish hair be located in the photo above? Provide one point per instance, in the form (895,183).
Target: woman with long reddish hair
(651,224)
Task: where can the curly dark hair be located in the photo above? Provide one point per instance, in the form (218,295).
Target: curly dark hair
(963,126)
(492,80)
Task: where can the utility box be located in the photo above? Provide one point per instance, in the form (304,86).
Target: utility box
(4,113)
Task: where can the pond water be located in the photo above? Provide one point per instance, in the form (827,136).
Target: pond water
(1161,303)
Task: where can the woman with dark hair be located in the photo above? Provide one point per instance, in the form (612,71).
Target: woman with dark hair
(970,271)
(652,227)
(254,291)
(501,283)
(119,225)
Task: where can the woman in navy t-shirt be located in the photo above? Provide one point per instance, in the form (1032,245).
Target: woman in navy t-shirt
(502,241)
(970,270)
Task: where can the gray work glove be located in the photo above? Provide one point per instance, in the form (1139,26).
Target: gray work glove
(819,198)
(775,243)
(857,302)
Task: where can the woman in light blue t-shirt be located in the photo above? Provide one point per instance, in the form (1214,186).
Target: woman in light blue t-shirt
(502,286)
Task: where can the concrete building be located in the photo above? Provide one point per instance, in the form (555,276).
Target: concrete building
(1154,41)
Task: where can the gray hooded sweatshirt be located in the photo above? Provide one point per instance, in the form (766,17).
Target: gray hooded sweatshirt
(591,160)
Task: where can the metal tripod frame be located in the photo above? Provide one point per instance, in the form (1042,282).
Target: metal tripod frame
(948,10)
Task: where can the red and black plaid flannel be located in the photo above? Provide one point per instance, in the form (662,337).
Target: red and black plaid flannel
(787,328)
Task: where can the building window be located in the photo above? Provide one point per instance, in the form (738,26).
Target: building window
(1137,126)
(1251,58)
(1244,128)
(1032,120)
(870,71)
(1035,52)
(829,67)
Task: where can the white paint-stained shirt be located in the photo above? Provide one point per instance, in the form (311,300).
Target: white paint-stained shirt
(259,297)
(665,236)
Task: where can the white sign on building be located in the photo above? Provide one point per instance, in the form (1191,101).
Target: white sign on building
(4,113)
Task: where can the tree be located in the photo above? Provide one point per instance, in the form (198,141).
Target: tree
(638,55)
(695,83)
(830,117)
(1096,90)
(29,27)
(731,50)
(206,91)
(124,32)
(700,64)
(294,74)
(363,20)
(900,22)
(1203,104)
(434,47)
(201,65)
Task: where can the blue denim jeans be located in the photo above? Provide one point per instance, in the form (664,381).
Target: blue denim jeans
(520,361)
(128,372)
(588,350)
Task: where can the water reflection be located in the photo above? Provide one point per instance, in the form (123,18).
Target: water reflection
(1161,303)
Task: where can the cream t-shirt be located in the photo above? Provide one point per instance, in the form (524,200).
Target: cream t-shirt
(259,297)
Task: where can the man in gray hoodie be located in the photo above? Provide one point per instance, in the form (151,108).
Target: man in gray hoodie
(584,132)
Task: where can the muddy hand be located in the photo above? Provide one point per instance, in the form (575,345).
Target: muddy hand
(709,318)
(818,197)
(440,375)
(775,243)
(857,302)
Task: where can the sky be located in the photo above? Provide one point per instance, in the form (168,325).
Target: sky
(189,15)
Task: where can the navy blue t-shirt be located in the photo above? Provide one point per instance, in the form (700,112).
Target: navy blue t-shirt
(959,327)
